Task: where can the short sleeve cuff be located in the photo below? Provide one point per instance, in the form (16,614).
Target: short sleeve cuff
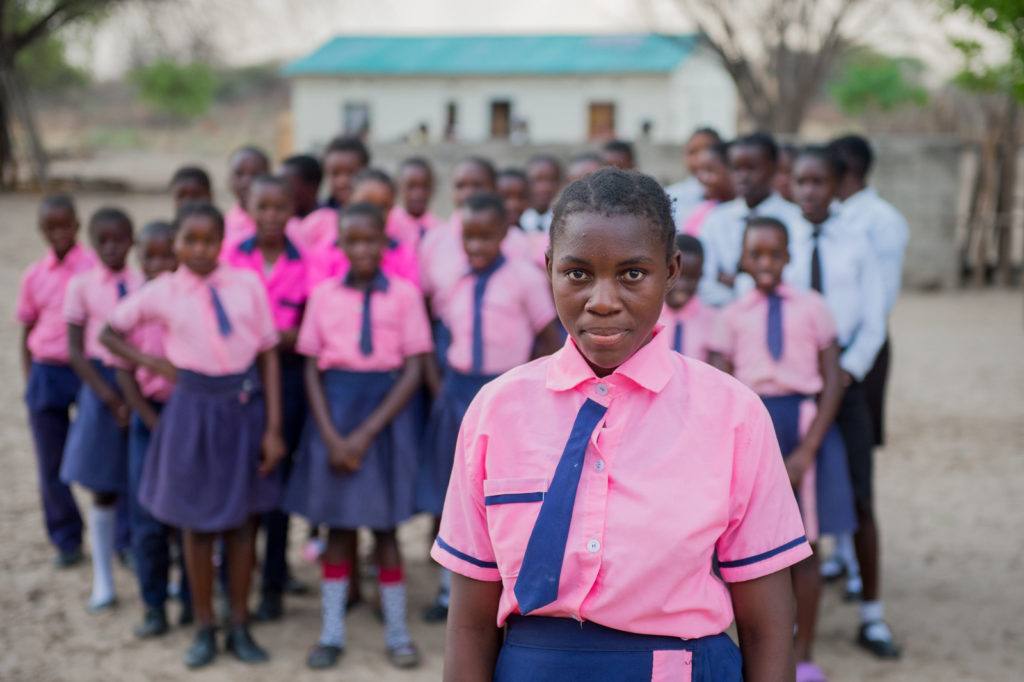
(759,565)
(457,561)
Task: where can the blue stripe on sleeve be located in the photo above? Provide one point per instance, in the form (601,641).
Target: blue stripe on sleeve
(765,555)
(513,498)
(465,557)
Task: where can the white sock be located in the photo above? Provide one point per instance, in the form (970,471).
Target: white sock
(392,601)
(333,597)
(872,612)
(102,521)
(846,551)
(444,594)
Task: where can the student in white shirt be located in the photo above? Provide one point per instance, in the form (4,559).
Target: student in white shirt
(545,175)
(687,194)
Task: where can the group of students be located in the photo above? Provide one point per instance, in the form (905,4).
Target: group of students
(329,360)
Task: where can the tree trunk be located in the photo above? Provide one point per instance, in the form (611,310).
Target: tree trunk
(17,104)
(8,168)
(1007,189)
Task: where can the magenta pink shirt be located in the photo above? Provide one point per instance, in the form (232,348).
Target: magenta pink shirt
(91,298)
(287,282)
(332,263)
(698,322)
(807,328)
(40,302)
(318,230)
(331,329)
(516,307)
(181,303)
(409,229)
(238,226)
(683,465)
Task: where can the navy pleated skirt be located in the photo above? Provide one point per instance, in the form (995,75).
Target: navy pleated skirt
(542,649)
(96,452)
(381,494)
(201,471)
(51,387)
(836,513)
(457,392)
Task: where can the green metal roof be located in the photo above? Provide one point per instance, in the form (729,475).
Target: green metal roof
(495,54)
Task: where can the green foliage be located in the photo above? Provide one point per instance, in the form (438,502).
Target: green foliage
(234,84)
(1006,18)
(182,91)
(869,80)
(43,63)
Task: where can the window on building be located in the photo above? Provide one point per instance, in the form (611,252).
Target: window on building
(501,119)
(451,120)
(355,118)
(601,121)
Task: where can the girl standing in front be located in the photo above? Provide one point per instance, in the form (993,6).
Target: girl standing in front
(365,337)
(219,437)
(593,489)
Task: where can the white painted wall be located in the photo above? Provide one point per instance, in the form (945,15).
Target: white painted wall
(555,107)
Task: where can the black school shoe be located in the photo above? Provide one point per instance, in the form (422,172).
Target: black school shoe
(435,613)
(240,643)
(68,559)
(203,649)
(882,647)
(154,624)
(186,617)
(271,608)
(323,656)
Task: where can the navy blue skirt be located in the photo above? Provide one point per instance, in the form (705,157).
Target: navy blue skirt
(96,452)
(457,392)
(201,471)
(381,494)
(51,387)
(836,513)
(543,649)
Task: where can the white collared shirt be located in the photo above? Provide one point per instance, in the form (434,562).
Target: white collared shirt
(887,233)
(722,237)
(851,284)
(686,195)
(533,221)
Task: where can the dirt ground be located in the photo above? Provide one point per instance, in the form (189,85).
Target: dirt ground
(948,487)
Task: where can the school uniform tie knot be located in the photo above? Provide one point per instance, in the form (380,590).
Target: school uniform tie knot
(775,326)
(122,288)
(482,276)
(223,321)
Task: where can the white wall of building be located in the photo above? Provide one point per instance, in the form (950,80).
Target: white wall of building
(556,108)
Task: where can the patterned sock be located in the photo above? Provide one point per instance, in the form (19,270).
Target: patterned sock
(101,536)
(445,592)
(392,601)
(333,596)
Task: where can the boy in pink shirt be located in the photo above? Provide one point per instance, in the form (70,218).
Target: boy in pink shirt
(594,489)
(246,164)
(688,323)
(411,220)
(781,342)
(51,384)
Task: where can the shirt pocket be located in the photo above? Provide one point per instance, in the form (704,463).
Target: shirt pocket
(512,506)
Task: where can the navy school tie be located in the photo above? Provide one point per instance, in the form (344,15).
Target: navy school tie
(816,280)
(677,338)
(537,584)
(122,288)
(479,287)
(775,326)
(366,330)
(223,321)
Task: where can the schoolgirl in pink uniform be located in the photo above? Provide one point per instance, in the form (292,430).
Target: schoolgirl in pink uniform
(412,219)
(50,384)
(218,440)
(689,324)
(343,158)
(781,342)
(712,171)
(282,269)
(246,164)
(96,452)
(365,337)
(593,490)
(499,314)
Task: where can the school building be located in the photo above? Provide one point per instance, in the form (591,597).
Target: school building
(522,88)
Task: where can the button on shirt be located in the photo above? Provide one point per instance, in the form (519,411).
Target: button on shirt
(684,464)
(41,302)
(722,237)
(886,231)
(852,286)
(91,298)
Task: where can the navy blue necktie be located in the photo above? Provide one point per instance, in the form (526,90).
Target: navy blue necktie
(122,289)
(366,330)
(537,584)
(816,277)
(775,326)
(223,321)
(677,338)
(479,287)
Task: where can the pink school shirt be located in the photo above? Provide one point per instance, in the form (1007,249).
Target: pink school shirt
(698,322)
(287,283)
(516,306)
(181,303)
(149,338)
(741,335)
(331,329)
(318,230)
(238,226)
(41,302)
(409,229)
(91,298)
(332,263)
(683,464)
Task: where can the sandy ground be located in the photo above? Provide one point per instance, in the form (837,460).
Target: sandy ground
(949,485)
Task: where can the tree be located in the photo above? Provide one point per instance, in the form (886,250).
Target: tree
(25,24)
(779,52)
(868,80)
(181,91)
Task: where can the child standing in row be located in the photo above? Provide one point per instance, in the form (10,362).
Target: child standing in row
(218,440)
(51,384)
(498,313)
(781,343)
(96,453)
(689,324)
(713,175)
(410,221)
(190,184)
(544,173)
(365,337)
(246,164)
